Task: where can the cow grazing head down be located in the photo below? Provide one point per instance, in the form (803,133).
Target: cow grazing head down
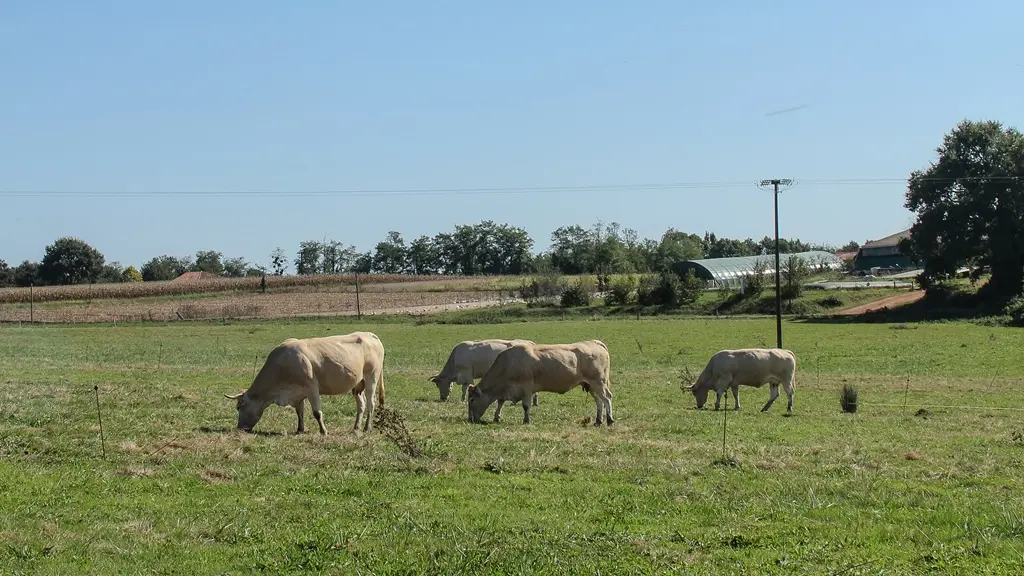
(249,411)
(478,404)
(700,393)
(444,386)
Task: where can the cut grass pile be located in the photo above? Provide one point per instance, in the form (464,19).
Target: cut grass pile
(820,492)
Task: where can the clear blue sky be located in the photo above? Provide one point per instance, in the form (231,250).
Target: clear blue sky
(228,96)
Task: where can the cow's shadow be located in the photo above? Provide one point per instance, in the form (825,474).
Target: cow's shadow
(228,430)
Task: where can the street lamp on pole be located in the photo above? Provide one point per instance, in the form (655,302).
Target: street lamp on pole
(775,183)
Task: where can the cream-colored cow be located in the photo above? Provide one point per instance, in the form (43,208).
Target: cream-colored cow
(523,370)
(296,370)
(746,367)
(468,361)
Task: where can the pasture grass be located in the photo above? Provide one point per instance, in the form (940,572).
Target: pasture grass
(885,490)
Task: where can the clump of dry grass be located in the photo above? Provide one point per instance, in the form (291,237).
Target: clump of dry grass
(391,424)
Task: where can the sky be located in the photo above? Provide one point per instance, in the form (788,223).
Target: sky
(150,128)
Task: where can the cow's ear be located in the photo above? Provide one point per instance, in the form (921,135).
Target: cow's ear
(474,391)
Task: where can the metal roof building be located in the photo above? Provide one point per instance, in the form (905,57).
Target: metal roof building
(729,272)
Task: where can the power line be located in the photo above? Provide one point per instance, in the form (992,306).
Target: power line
(477,191)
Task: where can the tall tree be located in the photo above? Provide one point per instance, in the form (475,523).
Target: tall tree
(209,261)
(27,274)
(235,267)
(572,249)
(676,246)
(165,268)
(336,258)
(970,206)
(391,255)
(6,274)
(308,259)
(278,261)
(424,258)
(70,261)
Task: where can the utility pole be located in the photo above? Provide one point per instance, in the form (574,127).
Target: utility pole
(775,183)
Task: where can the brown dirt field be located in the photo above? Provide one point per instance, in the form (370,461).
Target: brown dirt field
(257,305)
(889,302)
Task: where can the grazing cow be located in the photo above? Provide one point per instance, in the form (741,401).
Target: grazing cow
(523,370)
(312,367)
(468,361)
(746,367)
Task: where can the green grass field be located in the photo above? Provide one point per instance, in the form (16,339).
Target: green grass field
(821,492)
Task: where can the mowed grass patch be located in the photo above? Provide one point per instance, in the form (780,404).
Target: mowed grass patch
(181,492)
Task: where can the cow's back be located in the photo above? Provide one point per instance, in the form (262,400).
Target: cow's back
(340,362)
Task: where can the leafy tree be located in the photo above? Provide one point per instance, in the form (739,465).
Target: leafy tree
(571,251)
(690,287)
(279,261)
(850,246)
(70,261)
(391,255)
(165,268)
(335,258)
(252,271)
(209,261)
(363,263)
(424,257)
(235,267)
(308,260)
(676,246)
(111,273)
(6,274)
(131,274)
(27,274)
(794,272)
(715,247)
(970,207)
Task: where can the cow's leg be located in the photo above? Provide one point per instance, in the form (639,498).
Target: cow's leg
(526,408)
(300,411)
(789,388)
(497,411)
(314,403)
(599,402)
(720,387)
(360,407)
(370,398)
(608,406)
(464,381)
(774,386)
(536,398)
(736,396)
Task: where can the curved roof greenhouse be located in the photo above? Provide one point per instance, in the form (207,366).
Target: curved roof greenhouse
(730,271)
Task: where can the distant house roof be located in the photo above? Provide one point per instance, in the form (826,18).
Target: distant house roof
(890,240)
(846,255)
(196,276)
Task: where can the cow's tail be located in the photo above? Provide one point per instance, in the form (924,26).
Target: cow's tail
(380,388)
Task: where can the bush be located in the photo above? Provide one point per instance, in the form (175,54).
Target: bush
(579,294)
(790,291)
(831,301)
(1015,310)
(661,290)
(545,285)
(794,272)
(690,287)
(131,274)
(848,399)
(755,281)
(621,291)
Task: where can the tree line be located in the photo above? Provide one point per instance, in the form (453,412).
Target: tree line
(485,248)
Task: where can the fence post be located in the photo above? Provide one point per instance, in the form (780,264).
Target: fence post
(359,311)
(31,303)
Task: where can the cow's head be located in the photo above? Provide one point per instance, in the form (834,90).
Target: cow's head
(444,386)
(249,411)
(699,392)
(478,403)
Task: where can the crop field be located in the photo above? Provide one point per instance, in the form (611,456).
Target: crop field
(924,478)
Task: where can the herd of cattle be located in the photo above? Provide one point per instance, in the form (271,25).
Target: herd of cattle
(509,371)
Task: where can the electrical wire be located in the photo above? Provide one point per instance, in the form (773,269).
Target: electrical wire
(654,187)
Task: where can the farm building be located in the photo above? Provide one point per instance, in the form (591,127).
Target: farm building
(883,253)
(729,272)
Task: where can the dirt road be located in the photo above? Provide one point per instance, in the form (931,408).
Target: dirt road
(890,302)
